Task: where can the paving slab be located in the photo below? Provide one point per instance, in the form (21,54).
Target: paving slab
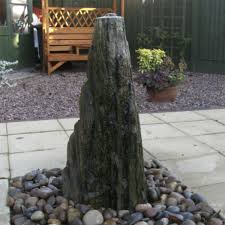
(37,141)
(199,171)
(215,195)
(176,148)
(5,216)
(179,116)
(3,193)
(22,163)
(68,123)
(69,132)
(3,144)
(216,141)
(155,131)
(3,129)
(33,126)
(213,113)
(200,127)
(146,118)
(221,121)
(4,166)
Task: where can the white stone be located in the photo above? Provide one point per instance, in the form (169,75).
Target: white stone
(142,207)
(93,217)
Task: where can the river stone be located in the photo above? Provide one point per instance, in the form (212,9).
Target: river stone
(153,195)
(215,221)
(20,220)
(48,209)
(122,213)
(40,204)
(17,182)
(72,214)
(133,218)
(110,222)
(31,201)
(76,221)
(151,213)
(187,215)
(37,216)
(141,223)
(143,207)
(13,191)
(10,201)
(163,221)
(172,185)
(93,217)
(189,222)
(151,222)
(175,218)
(197,198)
(45,192)
(31,175)
(173,209)
(171,201)
(60,200)
(54,221)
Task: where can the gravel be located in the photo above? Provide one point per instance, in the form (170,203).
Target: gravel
(33,207)
(57,96)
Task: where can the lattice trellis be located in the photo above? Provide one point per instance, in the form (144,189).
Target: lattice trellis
(74,17)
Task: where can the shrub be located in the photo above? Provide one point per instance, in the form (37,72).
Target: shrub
(158,70)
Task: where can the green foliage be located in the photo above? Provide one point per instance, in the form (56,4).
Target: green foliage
(7,67)
(150,60)
(158,70)
(157,37)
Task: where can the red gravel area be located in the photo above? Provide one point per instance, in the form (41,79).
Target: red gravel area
(57,96)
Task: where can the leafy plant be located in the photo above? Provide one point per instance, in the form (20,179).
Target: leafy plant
(150,60)
(158,70)
(7,67)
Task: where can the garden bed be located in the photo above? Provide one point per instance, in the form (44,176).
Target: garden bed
(57,96)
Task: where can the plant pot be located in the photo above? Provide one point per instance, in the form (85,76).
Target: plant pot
(166,95)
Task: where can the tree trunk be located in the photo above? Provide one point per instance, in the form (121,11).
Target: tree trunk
(105,156)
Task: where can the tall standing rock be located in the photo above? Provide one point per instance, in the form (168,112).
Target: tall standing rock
(105,156)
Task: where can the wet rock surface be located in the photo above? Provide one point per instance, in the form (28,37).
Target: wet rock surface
(190,208)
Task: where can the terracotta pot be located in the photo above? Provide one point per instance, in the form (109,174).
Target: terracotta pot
(166,95)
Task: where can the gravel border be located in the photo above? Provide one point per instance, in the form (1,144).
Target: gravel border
(57,96)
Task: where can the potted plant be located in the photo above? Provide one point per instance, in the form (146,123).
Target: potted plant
(159,74)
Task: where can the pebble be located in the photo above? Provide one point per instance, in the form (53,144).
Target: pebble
(107,214)
(45,192)
(31,201)
(173,209)
(215,221)
(76,221)
(109,222)
(20,220)
(151,213)
(83,208)
(197,198)
(122,213)
(54,221)
(153,195)
(171,201)
(141,223)
(175,218)
(72,214)
(10,201)
(37,216)
(172,185)
(151,222)
(133,218)
(187,215)
(93,217)
(163,221)
(188,222)
(143,207)
(48,209)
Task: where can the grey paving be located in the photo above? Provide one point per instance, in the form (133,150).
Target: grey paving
(192,144)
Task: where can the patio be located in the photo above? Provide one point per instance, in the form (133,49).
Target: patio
(190,143)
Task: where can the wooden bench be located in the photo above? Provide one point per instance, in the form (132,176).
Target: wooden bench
(67,34)
(68,44)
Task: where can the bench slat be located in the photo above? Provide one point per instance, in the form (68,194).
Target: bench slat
(70,37)
(67,57)
(71,42)
(71,30)
(60,48)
